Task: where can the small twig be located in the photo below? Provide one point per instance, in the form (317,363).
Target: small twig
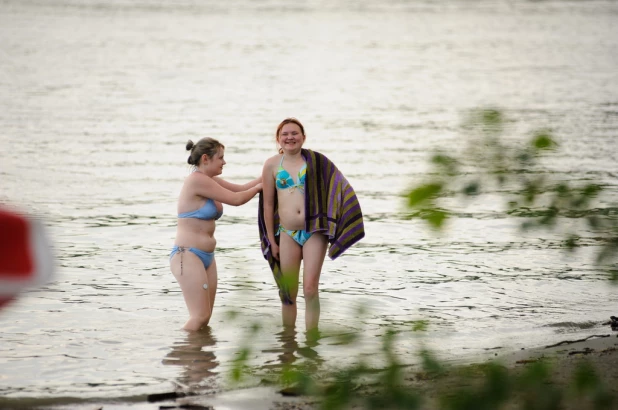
(585,351)
(567,342)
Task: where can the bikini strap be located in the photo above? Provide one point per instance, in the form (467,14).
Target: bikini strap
(281,162)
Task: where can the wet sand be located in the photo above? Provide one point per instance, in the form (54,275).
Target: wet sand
(563,359)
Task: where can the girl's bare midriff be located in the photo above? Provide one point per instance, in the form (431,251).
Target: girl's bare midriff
(196,233)
(291,207)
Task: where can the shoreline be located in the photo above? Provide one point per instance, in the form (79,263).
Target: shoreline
(563,358)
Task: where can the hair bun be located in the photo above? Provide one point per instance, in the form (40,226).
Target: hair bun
(189,145)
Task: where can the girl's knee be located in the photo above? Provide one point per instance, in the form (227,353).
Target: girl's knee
(310,291)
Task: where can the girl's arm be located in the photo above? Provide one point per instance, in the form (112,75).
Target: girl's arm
(207,187)
(236,187)
(268,186)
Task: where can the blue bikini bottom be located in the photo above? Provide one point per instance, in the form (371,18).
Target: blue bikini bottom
(205,257)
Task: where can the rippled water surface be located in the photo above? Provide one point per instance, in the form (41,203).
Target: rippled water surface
(99,98)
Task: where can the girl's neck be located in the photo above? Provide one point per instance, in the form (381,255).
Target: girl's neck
(202,171)
(292,155)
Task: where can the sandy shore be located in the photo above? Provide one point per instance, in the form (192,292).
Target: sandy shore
(562,359)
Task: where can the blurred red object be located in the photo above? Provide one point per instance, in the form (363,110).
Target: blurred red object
(26,258)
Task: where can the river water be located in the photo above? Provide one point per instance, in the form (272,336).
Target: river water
(99,98)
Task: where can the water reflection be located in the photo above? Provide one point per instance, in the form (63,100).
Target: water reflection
(196,354)
(289,346)
(291,351)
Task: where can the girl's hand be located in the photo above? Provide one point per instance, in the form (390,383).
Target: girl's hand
(274,249)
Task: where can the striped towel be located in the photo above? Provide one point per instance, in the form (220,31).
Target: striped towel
(331,208)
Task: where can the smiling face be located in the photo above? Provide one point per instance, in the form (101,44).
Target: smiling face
(214,166)
(291,137)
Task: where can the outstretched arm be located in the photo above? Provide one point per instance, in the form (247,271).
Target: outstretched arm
(230,186)
(209,188)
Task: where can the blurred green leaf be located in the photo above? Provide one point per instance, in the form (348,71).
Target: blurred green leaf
(608,251)
(255,327)
(525,158)
(436,218)
(498,384)
(420,325)
(232,314)
(585,378)
(519,176)
(298,378)
(531,189)
(239,364)
(549,216)
(360,310)
(447,164)
(535,386)
(591,190)
(593,221)
(603,400)
(536,373)
(571,242)
(562,189)
(471,188)
(492,117)
(543,141)
(346,338)
(430,364)
(338,394)
(423,193)
(388,339)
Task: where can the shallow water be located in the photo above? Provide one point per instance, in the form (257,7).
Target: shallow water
(100,97)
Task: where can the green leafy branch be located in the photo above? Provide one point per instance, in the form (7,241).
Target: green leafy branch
(487,163)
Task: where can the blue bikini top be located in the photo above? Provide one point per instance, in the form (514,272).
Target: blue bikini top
(207,212)
(284,180)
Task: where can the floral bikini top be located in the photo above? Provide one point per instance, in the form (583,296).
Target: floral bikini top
(284,180)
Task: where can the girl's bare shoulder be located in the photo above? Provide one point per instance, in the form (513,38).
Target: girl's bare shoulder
(273,160)
(198,178)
